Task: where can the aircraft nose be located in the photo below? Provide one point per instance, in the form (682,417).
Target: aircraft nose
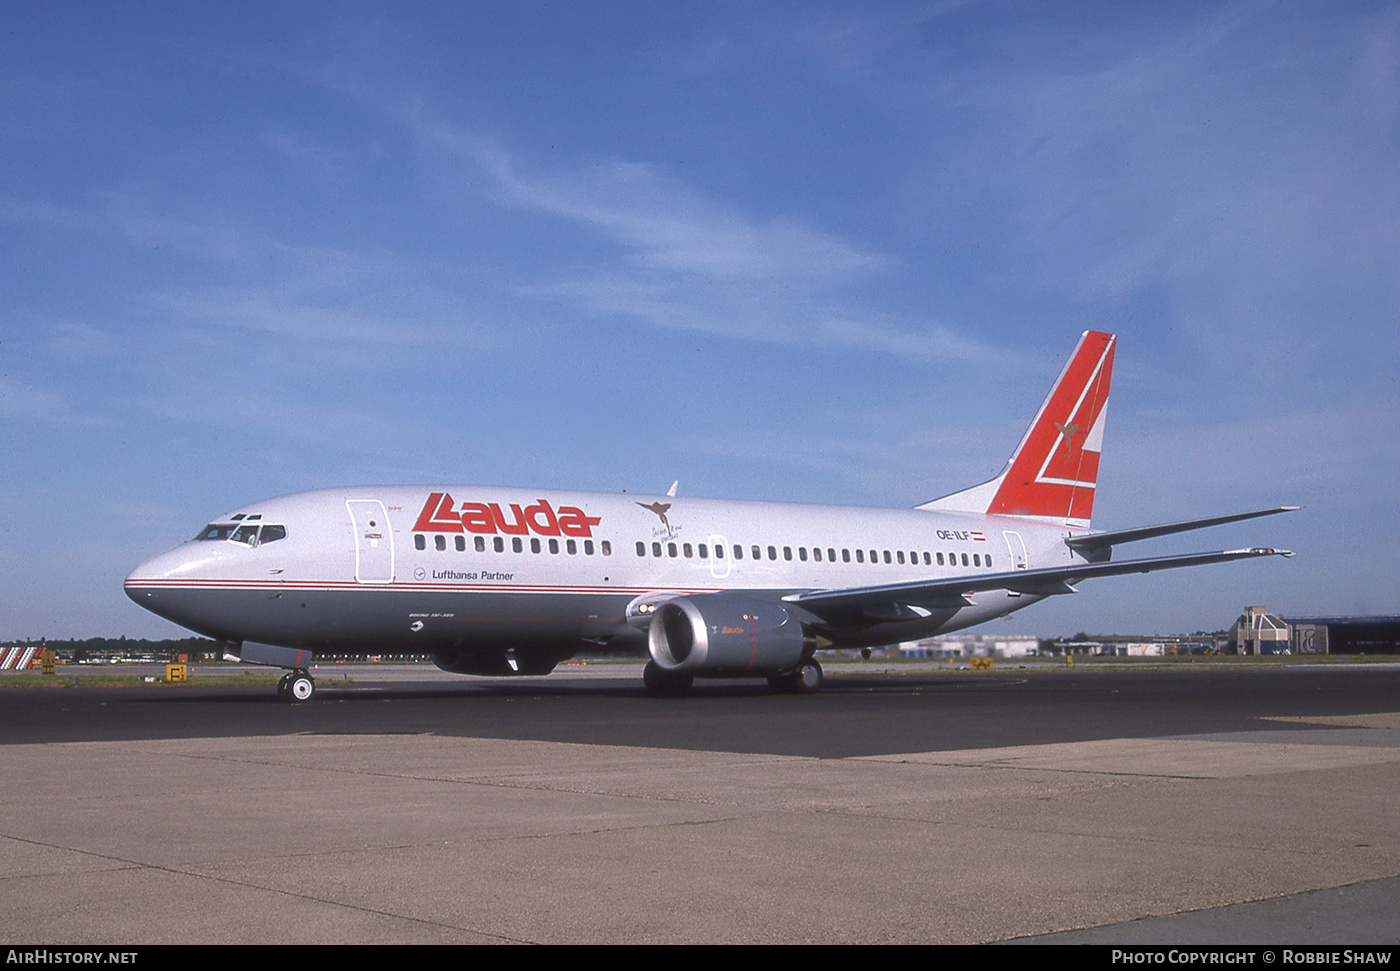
(170,585)
(137,578)
(140,581)
(163,573)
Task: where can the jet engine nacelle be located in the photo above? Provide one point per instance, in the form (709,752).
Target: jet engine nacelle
(722,634)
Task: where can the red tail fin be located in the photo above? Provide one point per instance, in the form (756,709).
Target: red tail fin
(1054,470)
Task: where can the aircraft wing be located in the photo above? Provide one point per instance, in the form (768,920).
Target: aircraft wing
(1087,542)
(894,598)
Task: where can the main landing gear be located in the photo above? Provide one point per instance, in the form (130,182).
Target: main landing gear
(806,680)
(663,683)
(296,686)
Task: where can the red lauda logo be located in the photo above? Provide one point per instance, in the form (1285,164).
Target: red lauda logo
(441,515)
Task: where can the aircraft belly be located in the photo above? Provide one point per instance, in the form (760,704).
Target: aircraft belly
(386,619)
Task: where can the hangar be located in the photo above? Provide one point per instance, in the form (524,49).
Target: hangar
(1345,635)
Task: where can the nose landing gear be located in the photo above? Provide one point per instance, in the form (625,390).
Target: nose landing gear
(296,686)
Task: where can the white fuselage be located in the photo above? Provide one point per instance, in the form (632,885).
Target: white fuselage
(403,569)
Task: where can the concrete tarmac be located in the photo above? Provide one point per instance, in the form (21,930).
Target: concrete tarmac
(1211,804)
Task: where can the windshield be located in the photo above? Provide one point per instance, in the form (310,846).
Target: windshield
(248,534)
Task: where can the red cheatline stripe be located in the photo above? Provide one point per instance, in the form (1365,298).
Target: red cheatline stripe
(327,586)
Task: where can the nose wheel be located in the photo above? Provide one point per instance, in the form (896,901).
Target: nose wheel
(296,687)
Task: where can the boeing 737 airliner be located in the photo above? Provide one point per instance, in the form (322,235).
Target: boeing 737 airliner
(495,581)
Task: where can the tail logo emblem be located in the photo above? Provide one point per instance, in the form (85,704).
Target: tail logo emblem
(1068,432)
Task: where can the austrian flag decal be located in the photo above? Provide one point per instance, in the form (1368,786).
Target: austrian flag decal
(442,515)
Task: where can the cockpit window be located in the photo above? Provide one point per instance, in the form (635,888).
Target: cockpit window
(249,534)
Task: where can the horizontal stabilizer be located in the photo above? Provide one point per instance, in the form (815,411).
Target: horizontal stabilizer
(954,591)
(1097,541)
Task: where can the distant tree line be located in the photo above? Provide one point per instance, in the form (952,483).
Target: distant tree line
(82,650)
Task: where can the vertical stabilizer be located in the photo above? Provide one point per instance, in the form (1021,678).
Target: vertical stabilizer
(1053,472)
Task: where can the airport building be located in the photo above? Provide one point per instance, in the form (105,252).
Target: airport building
(1345,635)
(972,645)
(1132,645)
(1259,632)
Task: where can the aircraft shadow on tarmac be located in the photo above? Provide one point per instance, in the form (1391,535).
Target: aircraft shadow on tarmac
(329,691)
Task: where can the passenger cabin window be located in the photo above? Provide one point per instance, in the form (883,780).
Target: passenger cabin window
(420,542)
(440,542)
(480,544)
(605,546)
(461,543)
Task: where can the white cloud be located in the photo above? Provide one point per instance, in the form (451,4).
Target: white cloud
(321,329)
(30,401)
(687,261)
(666,225)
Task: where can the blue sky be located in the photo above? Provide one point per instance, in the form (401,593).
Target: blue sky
(795,251)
